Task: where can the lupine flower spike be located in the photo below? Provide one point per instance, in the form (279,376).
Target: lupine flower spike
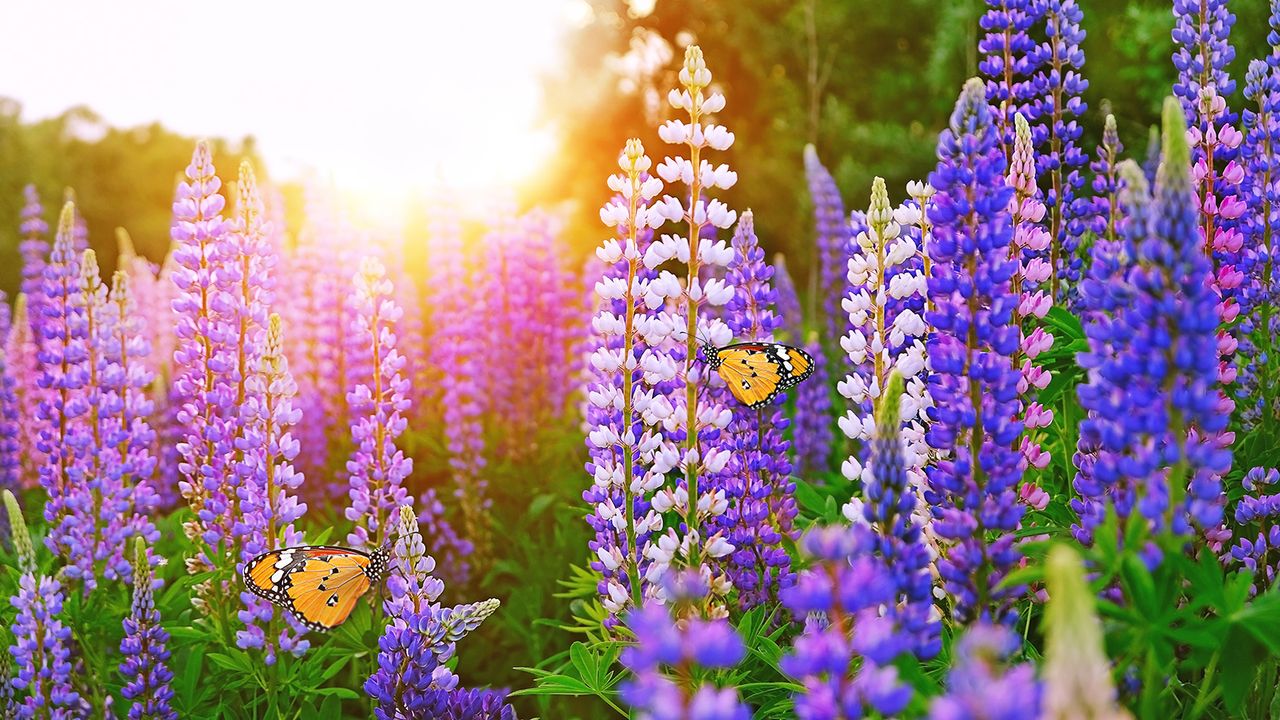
(145,667)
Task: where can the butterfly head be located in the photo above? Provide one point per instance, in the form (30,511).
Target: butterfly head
(712,355)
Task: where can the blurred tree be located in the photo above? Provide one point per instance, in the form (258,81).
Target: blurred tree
(869,83)
(122,178)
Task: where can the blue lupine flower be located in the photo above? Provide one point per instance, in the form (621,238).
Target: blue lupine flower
(1154,410)
(1061,87)
(1010,64)
(834,245)
(973,491)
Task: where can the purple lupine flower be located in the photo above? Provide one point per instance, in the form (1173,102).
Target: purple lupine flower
(1202,34)
(791,328)
(663,645)
(1010,63)
(411,585)
(1061,87)
(762,507)
(887,330)
(622,413)
(1163,306)
(1104,211)
(34,249)
(1152,161)
(835,243)
(983,684)
(268,495)
(11,420)
(841,595)
(41,642)
(1256,532)
(697,419)
(456,355)
(245,280)
(22,370)
(145,668)
(973,492)
(1029,249)
(377,467)
(203,356)
(475,704)
(1262,194)
(63,377)
(813,433)
(9,707)
(898,538)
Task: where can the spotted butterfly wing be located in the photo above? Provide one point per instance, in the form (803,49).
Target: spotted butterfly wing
(756,372)
(319,584)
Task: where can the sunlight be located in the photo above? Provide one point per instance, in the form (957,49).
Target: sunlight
(388,102)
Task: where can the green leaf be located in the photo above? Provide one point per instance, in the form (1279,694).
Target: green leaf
(1241,655)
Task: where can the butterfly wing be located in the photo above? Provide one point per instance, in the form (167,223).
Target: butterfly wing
(320,585)
(796,364)
(751,374)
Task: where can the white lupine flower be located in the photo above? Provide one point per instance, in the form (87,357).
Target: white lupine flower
(714,103)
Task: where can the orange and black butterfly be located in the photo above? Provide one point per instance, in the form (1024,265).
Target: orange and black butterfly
(319,584)
(757,371)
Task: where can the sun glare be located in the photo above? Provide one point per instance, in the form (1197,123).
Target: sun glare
(389,103)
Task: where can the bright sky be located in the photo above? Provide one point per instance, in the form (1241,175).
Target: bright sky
(385,98)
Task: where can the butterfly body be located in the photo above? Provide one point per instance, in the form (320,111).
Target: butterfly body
(319,584)
(755,372)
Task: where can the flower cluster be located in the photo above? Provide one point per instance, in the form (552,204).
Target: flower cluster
(974,383)
(1010,62)
(1258,537)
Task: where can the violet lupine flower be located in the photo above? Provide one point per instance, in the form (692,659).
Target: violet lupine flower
(22,370)
(1202,34)
(34,249)
(145,667)
(623,414)
(791,328)
(973,492)
(1256,532)
(1152,161)
(41,642)
(1164,306)
(1061,86)
(11,420)
(835,243)
(1077,674)
(841,595)
(268,494)
(1029,247)
(377,467)
(203,356)
(813,434)
(898,538)
(9,707)
(983,684)
(886,331)
(696,418)
(1262,194)
(63,376)
(762,507)
(665,652)
(411,680)
(1010,62)
(245,279)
